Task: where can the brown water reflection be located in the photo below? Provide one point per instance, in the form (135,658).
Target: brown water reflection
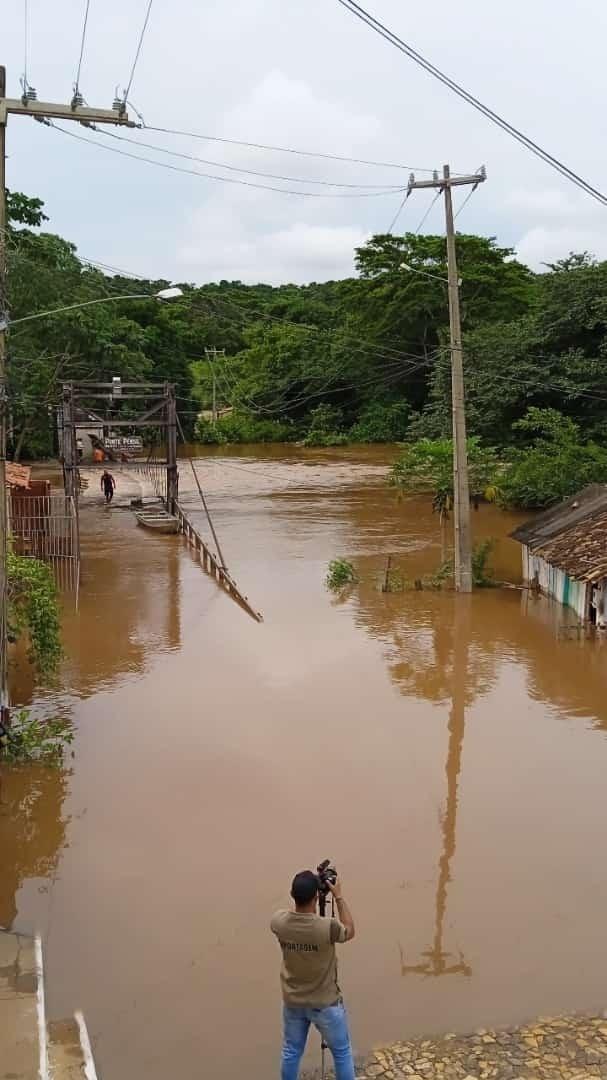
(32,831)
(450,755)
(439,962)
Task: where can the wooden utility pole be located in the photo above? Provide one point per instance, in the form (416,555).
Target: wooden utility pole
(463,544)
(27,105)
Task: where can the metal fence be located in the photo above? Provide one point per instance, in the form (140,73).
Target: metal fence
(45,527)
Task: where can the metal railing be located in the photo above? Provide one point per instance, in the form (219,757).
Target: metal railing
(44,526)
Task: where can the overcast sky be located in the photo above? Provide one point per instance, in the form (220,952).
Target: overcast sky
(306,74)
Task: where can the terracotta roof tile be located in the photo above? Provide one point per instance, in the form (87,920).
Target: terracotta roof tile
(18,475)
(580,550)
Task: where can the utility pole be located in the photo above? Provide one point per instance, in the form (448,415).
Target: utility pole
(463,545)
(27,105)
(172,473)
(211,355)
(69,453)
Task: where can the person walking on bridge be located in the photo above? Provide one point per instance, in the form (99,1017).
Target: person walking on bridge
(108,485)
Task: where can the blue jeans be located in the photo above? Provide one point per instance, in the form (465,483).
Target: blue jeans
(332,1023)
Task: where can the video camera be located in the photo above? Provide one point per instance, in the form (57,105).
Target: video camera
(326,875)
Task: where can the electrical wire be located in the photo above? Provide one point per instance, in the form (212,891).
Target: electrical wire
(464,203)
(139,44)
(285,149)
(251,172)
(385,352)
(375,380)
(398,213)
(84,26)
(113,269)
(394,361)
(280,402)
(429,362)
(285,405)
(25,44)
(382,352)
(394,364)
(427,214)
(392,38)
(394,353)
(224,179)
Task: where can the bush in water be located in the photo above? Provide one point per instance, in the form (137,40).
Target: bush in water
(32,739)
(340,573)
(240,427)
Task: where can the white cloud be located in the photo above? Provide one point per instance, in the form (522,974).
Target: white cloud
(310,76)
(299,253)
(544,245)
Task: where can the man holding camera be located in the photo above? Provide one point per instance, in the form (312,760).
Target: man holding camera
(310,989)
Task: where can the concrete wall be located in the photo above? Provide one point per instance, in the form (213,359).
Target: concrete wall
(554,582)
(82,432)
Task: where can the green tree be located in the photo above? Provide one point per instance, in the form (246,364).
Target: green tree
(132,339)
(33,611)
(427,467)
(556,463)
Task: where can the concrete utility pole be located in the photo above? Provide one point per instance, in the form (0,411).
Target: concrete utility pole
(172,473)
(27,105)
(211,355)
(463,545)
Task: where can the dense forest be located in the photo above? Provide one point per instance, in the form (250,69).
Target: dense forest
(363,359)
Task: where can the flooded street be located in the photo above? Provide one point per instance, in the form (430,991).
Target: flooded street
(449,753)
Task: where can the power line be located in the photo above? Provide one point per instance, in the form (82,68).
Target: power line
(427,214)
(113,269)
(429,362)
(385,352)
(84,26)
(283,149)
(140,43)
(223,179)
(379,28)
(380,350)
(468,196)
(252,172)
(25,44)
(393,364)
(285,405)
(383,379)
(398,213)
(464,203)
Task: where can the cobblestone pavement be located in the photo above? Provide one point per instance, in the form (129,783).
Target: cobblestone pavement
(565,1048)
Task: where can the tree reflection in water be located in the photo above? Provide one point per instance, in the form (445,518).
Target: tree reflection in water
(32,829)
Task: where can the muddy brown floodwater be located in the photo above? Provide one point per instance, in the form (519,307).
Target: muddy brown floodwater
(450,755)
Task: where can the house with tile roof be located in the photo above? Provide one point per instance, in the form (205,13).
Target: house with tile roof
(565,553)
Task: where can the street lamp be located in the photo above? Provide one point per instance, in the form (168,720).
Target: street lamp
(171,293)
